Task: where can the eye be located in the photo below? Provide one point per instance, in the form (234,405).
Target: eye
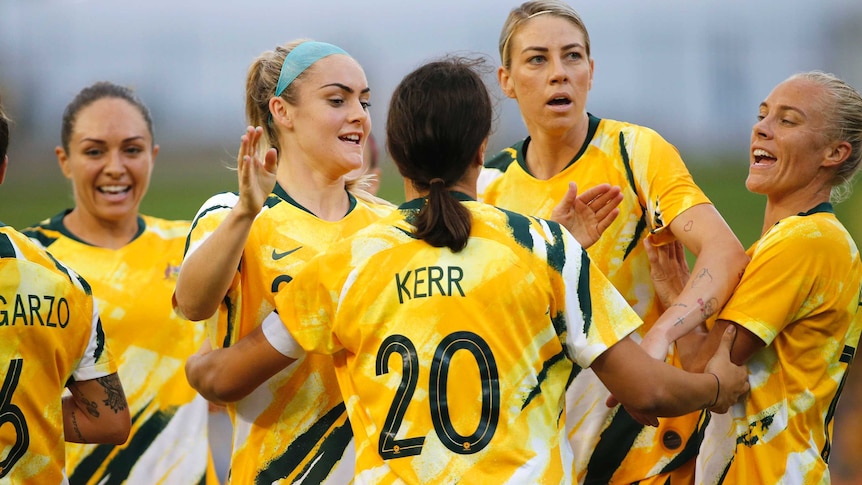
(760,117)
(92,152)
(365,104)
(134,150)
(336,101)
(788,122)
(574,56)
(536,60)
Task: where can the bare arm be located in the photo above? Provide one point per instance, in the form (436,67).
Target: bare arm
(587,215)
(232,373)
(206,273)
(717,270)
(96,412)
(745,345)
(651,387)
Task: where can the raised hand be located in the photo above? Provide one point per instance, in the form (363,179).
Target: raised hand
(256,177)
(587,215)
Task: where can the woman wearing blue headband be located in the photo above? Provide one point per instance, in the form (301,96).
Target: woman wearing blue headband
(309,101)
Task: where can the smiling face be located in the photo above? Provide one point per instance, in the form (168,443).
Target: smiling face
(791,155)
(550,74)
(328,126)
(109,160)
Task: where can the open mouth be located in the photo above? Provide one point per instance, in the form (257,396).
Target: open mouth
(114,189)
(350,138)
(560,101)
(763,157)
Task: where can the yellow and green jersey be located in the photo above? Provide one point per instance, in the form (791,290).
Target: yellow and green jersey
(800,295)
(454,366)
(294,426)
(610,447)
(133,286)
(50,333)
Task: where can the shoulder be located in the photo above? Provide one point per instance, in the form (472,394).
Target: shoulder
(165,228)
(503,159)
(20,248)
(47,231)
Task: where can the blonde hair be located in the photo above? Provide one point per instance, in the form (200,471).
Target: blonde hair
(528,10)
(260,86)
(843,114)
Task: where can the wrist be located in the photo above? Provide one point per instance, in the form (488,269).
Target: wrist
(717,390)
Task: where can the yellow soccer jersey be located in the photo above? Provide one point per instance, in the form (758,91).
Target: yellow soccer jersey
(800,294)
(454,365)
(133,286)
(295,424)
(610,447)
(49,333)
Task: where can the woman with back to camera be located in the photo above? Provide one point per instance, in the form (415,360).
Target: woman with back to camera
(312,99)
(797,309)
(131,260)
(449,288)
(58,344)
(546,67)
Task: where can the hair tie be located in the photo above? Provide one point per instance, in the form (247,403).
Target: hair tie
(301,58)
(437,180)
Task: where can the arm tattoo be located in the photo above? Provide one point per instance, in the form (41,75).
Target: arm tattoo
(708,308)
(703,277)
(688,226)
(75,427)
(116,398)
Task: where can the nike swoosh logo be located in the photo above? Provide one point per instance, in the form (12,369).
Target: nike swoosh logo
(276,255)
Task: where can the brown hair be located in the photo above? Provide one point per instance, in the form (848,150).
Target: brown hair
(439,117)
(93,93)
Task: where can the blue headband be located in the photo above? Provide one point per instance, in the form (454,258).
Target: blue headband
(301,58)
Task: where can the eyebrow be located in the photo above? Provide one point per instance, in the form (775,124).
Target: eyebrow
(96,140)
(346,88)
(545,49)
(784,107)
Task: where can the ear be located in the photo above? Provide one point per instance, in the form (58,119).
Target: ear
(155,153)
(63,160)
(592,70)
(480,156)
(280,112)
(505,81)
(3,166)
(837,153)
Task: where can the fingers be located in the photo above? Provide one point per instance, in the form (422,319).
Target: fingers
(727,339)
(571,195)
(270,160)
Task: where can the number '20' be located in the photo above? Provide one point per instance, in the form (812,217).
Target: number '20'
(389,447)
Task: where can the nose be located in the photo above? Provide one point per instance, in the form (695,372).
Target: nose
(114,164)
(761,129)
(358,113)
(558,72)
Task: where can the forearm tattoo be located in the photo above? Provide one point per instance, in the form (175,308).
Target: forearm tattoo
(76,428)
(116,398)
(703,277)
(707,308)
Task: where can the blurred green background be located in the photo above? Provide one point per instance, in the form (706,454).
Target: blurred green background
(183,181)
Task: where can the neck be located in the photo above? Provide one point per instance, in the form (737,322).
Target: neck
(322,194)
(550,152)
(100,232)
(778,207)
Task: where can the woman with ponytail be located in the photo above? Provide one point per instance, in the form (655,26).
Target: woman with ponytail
(455,326)
(310,103)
